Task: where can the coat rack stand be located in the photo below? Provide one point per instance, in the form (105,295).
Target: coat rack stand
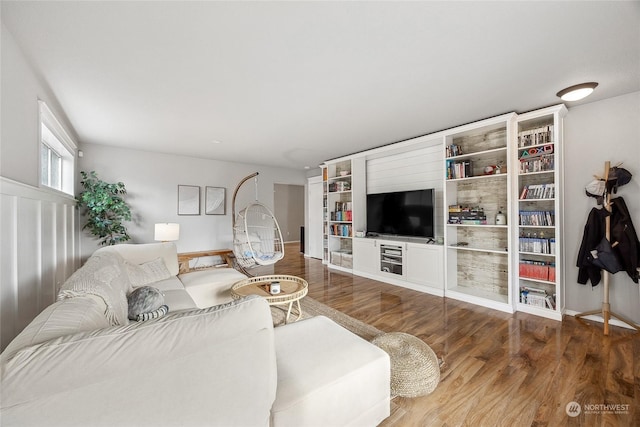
(606,306)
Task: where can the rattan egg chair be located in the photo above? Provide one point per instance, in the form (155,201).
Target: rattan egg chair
(257,239)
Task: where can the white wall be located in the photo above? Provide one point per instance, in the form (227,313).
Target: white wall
(152,180)
(38,226)
(594,133)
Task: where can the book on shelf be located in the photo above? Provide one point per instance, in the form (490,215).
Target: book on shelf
(537,218)
(539,135)
(461,169)
(543,163)
(538,191)
(466,215)
(453,150)
(537,298)
(342,230)
(537,245)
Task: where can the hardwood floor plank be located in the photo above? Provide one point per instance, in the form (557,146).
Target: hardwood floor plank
(500,369)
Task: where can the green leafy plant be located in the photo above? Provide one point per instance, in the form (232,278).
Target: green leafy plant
(105,209)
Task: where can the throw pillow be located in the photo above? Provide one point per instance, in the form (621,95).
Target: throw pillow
(144,300)
(148,272)
(153,315)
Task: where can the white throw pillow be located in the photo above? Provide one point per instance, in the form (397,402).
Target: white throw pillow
(148,272)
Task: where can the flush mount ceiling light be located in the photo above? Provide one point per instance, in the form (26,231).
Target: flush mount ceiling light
(577,92)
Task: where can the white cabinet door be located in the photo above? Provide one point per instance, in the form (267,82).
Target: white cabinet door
(366,255)
(424,265)
(314,212)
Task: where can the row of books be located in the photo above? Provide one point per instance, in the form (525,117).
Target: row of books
(339,186)
(538,191)
(460,208)
(457,170)
(343,206)
(535,269)
(537,245)
(540,135)
(342,216)
(343,230)
(453,150)
(467,217)
(537,164)
(537,297)
(537,218)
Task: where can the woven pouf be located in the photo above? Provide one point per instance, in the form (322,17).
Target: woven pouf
(415,370)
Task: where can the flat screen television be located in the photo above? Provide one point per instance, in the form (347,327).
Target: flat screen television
(401,213)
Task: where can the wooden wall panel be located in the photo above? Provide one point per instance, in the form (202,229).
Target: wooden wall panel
(411,170)
(39,244)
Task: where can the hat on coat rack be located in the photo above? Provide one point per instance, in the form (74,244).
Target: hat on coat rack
(617,177)
(596,188)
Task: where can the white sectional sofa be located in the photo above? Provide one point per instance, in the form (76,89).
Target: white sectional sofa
(208,362)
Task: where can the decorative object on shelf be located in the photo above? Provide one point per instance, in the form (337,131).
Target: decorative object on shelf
(577,92)
(215,201)
(105,208)
(166,232)
(501,219)
(188,200)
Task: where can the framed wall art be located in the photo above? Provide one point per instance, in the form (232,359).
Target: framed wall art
(188,200)
(215,201)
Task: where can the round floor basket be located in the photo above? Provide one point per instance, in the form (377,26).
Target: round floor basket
(415,370)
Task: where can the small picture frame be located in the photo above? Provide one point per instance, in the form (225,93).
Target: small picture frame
(188,200)
(215,201)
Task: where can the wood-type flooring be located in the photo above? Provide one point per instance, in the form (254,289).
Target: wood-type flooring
(500,369)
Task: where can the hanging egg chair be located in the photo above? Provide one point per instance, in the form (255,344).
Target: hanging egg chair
(257,239)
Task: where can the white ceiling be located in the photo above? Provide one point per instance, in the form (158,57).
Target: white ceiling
(291,84)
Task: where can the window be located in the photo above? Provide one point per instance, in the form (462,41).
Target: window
(57,153)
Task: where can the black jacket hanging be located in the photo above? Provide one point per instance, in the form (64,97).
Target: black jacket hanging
(623,232)
(623,237)
(593,234)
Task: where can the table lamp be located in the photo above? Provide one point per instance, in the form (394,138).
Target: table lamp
(167,232)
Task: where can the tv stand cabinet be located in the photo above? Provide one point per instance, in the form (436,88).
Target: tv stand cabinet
(408,262)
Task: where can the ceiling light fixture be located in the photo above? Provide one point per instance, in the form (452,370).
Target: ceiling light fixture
(577,92)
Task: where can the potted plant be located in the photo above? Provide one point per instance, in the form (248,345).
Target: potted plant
(105,209)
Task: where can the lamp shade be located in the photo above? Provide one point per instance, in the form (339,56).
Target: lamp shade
(167,232)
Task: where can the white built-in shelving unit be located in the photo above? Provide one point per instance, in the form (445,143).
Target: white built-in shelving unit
(509,165)
(477,183)
(539,287)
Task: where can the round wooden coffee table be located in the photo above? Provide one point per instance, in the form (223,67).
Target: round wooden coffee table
(292,289)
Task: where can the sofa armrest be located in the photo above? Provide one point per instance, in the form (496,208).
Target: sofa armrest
(201,367)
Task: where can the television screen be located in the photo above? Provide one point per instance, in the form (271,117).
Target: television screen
(402,213)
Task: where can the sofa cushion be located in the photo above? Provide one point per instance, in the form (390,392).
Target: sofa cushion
(178,300)
(147,272)
(64,317)
(328,376)
(141,253)
(170,284)
(102,275)
(194,368)
(144,299)
(211,286)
